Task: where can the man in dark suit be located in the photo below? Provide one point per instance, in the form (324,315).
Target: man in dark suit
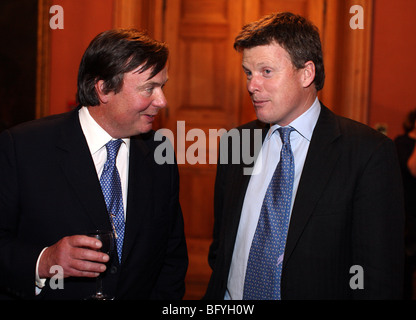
(343,199)
(51,196)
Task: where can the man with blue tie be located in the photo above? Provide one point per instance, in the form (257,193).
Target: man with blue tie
(325,195)
(93,168)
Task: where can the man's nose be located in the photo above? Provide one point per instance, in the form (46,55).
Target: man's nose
(253,85)
(160,101)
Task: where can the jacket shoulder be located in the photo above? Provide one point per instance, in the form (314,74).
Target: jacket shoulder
(361,132)
(46,126)
(353,130)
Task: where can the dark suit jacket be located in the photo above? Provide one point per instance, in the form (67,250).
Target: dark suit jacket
(348,211)
(49,189)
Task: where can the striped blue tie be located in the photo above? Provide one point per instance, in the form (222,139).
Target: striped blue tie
(111,187)
(264,266)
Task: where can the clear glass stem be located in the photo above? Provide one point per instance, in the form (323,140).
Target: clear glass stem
(99,287)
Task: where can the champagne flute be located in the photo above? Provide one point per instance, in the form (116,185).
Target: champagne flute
(107,240)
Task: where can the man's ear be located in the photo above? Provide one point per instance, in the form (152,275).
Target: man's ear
(101,93)
(308,74)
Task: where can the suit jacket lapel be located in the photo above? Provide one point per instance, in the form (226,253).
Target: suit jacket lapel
(139,186)
(240,183)
(323,153)
(79,170)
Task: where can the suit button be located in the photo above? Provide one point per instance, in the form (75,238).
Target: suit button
(113,270)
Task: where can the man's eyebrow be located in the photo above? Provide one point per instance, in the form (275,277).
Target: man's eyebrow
(154,83)
(161,83)
(259,64)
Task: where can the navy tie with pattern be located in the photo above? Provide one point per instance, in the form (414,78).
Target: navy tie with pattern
(264,266)
(111,187)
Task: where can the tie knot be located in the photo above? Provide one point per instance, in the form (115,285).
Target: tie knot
(112,149)
(285,134)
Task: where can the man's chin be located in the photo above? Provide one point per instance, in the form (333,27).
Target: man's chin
(264,118)
(145,129)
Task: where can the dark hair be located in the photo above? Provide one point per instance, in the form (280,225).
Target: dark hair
(298,36)
(113,53)
(409,122)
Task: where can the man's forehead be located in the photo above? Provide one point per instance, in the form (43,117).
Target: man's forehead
(264,54)
(145,74)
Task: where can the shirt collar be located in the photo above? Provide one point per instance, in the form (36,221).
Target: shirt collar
(305,123)
(96,136)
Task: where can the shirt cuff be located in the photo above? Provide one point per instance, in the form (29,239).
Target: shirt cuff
(40,282)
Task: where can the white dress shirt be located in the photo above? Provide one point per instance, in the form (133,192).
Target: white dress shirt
(97,138)
(256,190)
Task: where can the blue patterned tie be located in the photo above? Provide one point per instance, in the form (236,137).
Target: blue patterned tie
(264,266)
(111,187)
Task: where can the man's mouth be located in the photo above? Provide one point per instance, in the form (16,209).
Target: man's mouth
(150,117)
(259,102)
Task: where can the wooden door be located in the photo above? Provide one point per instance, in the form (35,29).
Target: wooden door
(203,93)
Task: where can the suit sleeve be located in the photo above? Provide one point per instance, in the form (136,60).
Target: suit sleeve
(17,258)
(378,225)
